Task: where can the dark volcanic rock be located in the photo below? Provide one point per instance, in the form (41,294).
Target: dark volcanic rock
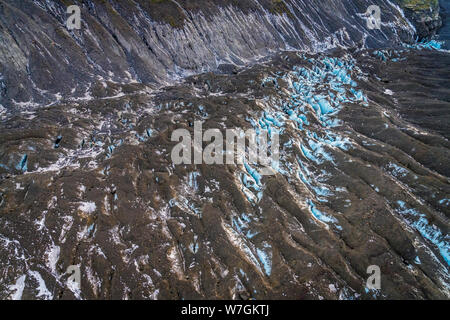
(161,41)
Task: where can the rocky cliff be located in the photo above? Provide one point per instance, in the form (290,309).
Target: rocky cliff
(159,41)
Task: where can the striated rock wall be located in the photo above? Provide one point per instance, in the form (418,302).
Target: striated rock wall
(89,182)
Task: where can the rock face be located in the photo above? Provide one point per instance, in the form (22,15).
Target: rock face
(159,41)
(424,14)
(87,179)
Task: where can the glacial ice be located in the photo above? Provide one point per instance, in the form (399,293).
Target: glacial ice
(318,215)
(87,207)
(430,232)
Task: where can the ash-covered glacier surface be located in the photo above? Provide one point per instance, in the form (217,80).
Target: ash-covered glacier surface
(87,179)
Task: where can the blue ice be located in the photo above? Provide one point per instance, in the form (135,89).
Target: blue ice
(265,259)
(321,216)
